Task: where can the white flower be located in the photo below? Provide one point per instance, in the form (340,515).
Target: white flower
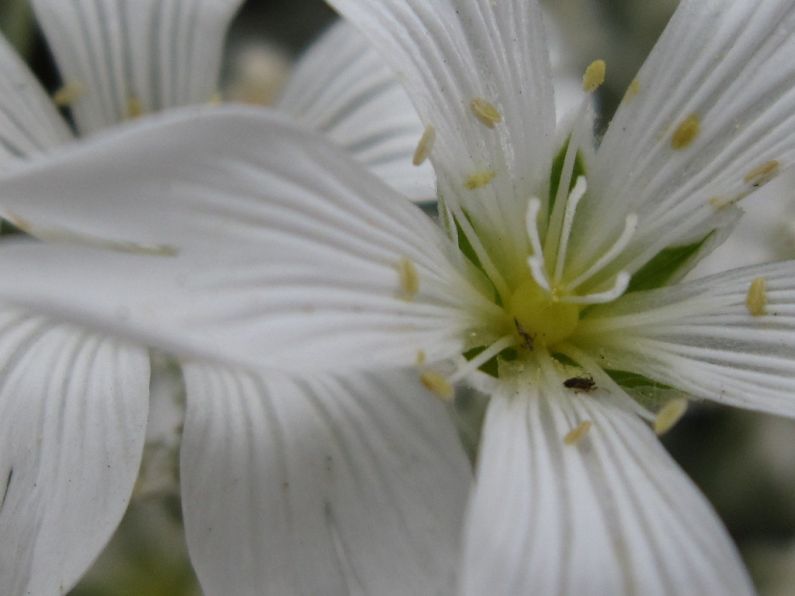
(74,405)
(239,237)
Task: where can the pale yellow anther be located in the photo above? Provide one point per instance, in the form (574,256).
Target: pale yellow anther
(135,108)
(438,385)
(594,76)
(68,94)
(669,415)
(578,433)
(686,132)
(425,146)
(632,90)
(409,279)
(756,300)
(486,112)
(762,174)
(421,357)
(719,203)
(480,179)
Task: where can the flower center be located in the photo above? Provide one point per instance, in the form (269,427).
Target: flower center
(540,317)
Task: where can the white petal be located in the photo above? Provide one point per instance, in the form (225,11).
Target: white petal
(29,123)
(727,64)
(73,410)
(450,53)
(342,88)
(124,55)
(611,514)
(766,232)
(701,338)
(291,256)
(326,486)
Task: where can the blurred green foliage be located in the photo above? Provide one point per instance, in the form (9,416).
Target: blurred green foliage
(16,23)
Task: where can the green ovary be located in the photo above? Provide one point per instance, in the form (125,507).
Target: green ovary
(546,320)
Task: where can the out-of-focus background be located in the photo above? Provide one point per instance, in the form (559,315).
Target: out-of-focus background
(744,462)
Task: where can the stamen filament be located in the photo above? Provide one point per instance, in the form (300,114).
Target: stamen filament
(536,261)
(619,287)
(538,272)
(630,226)
(480,252)
(556,217)
(576,195)
(533,208)
(482,358)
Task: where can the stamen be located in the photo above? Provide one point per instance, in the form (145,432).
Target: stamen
(135,108)
(424,146)
(686,132)
(480,179)
(632,90)
(438,385)
(763,174)
(536,261)
(421,357)
(485,111)
(630,226)
(480,252)
(68,94)
(576,195)
(564,183)
(577,434)
(531,220)
(472,365)
(669,415)
(409,279)
(539,273)
(620,286)
(594,76)
(756,300)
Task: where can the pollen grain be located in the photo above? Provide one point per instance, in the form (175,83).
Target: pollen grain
(578,433)
(425,146)
(756,300)
(438,384)
(762,174)
(632,90)
(486,112)
(409,279)
(686,132)
(480,179)
(594,76)
(669,415)
(68,94)
(135,108)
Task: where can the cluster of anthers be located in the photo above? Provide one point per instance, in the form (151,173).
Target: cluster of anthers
(539,314)
(544,309)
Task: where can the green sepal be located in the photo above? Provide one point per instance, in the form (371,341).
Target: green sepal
(648,392)
(663,268)
(491,367)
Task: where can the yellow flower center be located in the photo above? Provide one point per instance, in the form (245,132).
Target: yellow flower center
(540,316)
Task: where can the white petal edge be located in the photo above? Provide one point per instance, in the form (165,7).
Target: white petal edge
(29,123)
(612,514)
(223,247)
(320,486)
(141,55)
(701,338)
(728,65)
(450,53)
(73,409)
(342,88)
